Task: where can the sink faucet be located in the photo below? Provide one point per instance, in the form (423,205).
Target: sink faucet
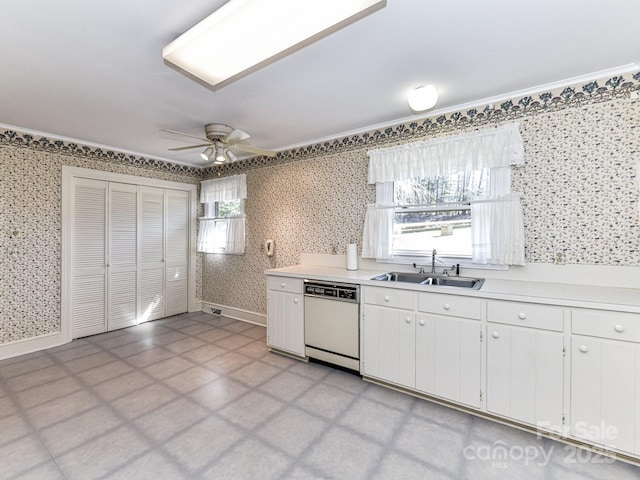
(433,261)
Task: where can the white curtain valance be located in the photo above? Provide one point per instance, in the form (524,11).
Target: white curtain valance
(223,189)
(490,148)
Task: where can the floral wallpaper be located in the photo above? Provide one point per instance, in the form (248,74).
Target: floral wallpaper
(579,184)
(30,200)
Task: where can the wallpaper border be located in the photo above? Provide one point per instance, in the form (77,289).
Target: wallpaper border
(595,91)
(17,139)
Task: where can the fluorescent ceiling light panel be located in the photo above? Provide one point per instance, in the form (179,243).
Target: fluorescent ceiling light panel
(245,35)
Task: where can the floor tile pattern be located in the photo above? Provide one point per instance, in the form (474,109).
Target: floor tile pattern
(198,396)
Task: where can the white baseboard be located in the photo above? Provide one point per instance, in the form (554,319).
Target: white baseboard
(236,313)
(30,345)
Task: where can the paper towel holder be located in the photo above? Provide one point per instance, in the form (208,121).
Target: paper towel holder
(352,256)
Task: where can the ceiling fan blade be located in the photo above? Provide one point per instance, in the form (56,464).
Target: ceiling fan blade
(177,149)
(258,151)
(184,134)
(235,136)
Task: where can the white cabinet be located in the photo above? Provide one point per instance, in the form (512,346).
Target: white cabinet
(388,335)
(605,379)
(449,348)
(525,363)
(389,345)
(417,341)
(285,314)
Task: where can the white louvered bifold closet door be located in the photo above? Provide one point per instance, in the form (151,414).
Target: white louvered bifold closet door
(122,259)
(88,296)
(151,292)
(177,248)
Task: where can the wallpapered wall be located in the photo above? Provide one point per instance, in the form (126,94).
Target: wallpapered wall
(30,200)
(579,184)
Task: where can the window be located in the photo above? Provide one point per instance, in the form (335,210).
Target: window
(450,193)
(222,229)
(435,213)
(219,214)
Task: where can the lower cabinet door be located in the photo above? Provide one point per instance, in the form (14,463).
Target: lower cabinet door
(605,388)
(388,348)
(448,358)
(525,375)
(285,321)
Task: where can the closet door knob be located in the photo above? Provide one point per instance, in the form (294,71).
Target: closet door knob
(584,348)
(387,298)
(408,319)
(522,316)
(495,335)
(447,306)
(283,285)
(295,300)
(619,328)
(421,322)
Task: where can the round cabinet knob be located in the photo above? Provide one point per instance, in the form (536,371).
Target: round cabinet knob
(387,298)
(584,348)
(295,300)
(283,285)
(619,328)
(522,315)
(447,306)
(495,335)
(421,322)
(408,319)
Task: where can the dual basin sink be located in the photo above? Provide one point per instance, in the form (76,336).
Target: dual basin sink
(431,279)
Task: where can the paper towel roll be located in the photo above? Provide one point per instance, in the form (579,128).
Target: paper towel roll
(352,256)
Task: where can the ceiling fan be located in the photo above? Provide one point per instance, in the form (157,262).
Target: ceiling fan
(220,140)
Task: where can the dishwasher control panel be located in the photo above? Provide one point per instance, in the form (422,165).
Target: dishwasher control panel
(337,291)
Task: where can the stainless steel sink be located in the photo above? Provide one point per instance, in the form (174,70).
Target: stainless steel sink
(431,279)
(402,277)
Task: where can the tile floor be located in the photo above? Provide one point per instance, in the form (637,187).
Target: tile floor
(200,397)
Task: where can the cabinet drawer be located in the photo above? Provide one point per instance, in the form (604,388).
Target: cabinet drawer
(604,324)
(389,297)
(453,305)
(526,315)
(285,284)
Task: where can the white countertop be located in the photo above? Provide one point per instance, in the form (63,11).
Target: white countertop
(611,298)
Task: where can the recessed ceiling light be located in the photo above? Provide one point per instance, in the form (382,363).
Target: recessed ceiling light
(244,35)
(422,98)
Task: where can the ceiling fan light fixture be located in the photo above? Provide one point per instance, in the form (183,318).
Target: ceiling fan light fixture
(422,98)
(220,158)
(231,156)
(212,53)
(206,155)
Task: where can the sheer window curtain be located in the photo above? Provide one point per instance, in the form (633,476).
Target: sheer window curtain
(232,230)
(497,227)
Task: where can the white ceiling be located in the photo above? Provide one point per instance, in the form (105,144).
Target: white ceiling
(92,71)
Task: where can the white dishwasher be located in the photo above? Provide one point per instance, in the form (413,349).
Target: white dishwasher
(331,323)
